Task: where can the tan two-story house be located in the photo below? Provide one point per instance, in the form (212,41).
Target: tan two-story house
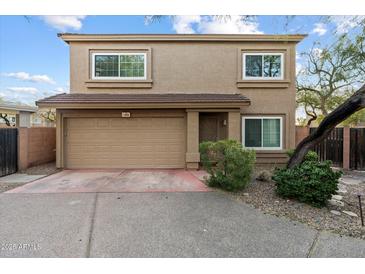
(147,101)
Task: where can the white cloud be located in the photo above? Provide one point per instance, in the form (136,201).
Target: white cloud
(212,25)
(24,76)
(317,52)
(60,90)
(30,90)
(346,23)
(320,29)
(299,68)
(298,56)
(234,25)
(64,22)
(184,24)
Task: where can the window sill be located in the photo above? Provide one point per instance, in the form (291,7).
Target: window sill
(270,151)
(263,83)
(119,83)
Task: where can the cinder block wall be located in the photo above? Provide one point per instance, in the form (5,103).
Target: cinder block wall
(300,134)
(37,146)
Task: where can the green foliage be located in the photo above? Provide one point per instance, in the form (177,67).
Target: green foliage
(312,182)
(228,163)
(331,73)
(301,121)
(355,119)
(310,156)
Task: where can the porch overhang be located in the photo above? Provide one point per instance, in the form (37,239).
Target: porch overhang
(144,101)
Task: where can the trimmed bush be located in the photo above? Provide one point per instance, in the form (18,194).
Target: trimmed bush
(264,176)
(312,182)
(228,163)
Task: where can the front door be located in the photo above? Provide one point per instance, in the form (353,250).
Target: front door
(208,128)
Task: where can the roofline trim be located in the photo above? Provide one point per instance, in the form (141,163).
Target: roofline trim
(18,108)
(103,105)
(74,37)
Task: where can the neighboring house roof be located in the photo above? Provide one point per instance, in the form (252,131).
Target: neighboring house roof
(70,37)
(169,98)
(16,107)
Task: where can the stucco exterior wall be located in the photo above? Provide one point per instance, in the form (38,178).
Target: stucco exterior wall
(197,67)
(36,146)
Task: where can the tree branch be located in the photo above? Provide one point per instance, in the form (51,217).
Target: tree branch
(5,118)
(355,103)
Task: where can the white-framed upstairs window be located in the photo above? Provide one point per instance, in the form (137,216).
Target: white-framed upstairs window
(119,66)
(262,133)
(263,66)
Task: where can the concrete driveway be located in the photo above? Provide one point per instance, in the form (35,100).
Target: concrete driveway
(117,180)
(149,213)
(171,224)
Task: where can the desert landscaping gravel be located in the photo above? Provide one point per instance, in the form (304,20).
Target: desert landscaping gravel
(5,186)
(45,169)
(343,219)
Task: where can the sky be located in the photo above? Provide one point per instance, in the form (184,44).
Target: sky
(34,62)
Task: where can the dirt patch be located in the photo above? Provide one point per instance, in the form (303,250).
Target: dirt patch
(45,169)
(8,186)
(261,195)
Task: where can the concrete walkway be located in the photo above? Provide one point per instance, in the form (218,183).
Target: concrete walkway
(20,178)
(183,224)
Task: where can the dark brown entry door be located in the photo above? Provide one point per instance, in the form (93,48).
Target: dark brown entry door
(208,129)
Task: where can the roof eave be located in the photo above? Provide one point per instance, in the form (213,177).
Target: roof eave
(142,105)
(19,108)
(71,37)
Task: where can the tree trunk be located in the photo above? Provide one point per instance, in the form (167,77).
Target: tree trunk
(355,103)
(5,118)
(323,107)
(313,118)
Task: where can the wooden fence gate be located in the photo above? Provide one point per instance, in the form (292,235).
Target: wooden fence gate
(331,148)
(8,151)
(357,148)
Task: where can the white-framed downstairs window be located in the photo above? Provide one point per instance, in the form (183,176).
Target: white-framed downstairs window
(263,66)
(265,133)
(119,66)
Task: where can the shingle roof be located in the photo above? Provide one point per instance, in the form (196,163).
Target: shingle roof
(106,98)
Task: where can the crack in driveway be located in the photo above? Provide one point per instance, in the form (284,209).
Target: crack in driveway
(92,222)
(313,245)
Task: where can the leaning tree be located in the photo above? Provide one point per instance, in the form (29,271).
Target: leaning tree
(354,52)
(355,103)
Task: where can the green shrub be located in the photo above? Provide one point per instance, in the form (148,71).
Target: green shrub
(228,163)
(310,156)
(312,182)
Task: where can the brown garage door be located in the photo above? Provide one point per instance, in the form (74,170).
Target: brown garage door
(125,142)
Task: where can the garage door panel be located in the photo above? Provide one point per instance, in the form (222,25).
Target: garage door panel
(74,150)
(125,139)
(79,124)
(145,123)
(126,143)
(125,135)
